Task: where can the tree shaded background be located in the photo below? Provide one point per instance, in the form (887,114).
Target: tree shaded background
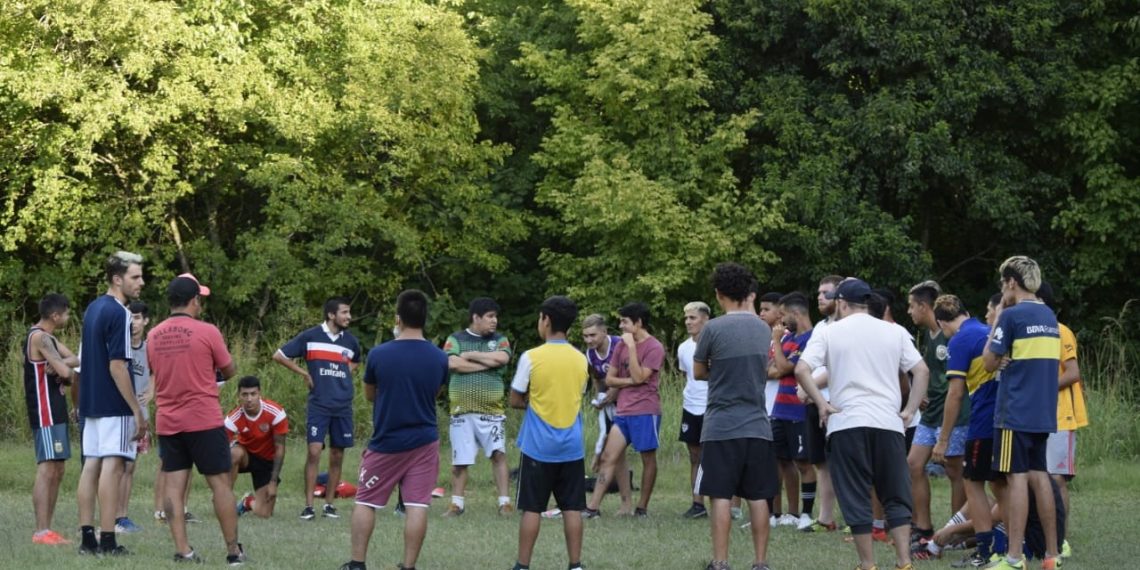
(285,151)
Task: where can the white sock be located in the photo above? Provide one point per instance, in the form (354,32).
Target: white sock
(879,524)
(457,501)
(958,518)
(504,500)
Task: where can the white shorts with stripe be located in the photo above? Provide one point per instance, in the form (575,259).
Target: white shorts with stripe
(111,436)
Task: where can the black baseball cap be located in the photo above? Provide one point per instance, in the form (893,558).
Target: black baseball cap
(852,290)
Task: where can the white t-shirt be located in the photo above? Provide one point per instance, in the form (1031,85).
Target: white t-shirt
(864,356)
(815,374)
(696,395)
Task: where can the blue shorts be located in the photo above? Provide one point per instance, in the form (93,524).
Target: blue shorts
(640,431)
(52,443)
(927,436)
(338,430)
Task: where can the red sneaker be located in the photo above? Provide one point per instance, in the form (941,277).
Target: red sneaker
(49,537)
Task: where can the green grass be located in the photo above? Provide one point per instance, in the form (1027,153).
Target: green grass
(1102,529)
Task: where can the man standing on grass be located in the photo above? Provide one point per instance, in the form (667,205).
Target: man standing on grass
(188,358)
(736,443)
(1026,344)
(695,398)
(788,413)
(144,391)
(258,427)
(934,430)
(548,384)
(48,369)
(402,379)
(814,432)
(634,371)
(966,374)
(331,355)
(865,428)
(600,345)
(1061,449)
(112,414)
(478,357)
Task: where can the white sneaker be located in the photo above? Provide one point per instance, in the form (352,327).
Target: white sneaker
(788,519)
(773,521)
(803,522)
(737,514)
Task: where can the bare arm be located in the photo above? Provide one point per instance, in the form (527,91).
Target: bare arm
(48,351)
(920,375)
(804,379)
(1070,374)
(949,415)
(638,373)
(700,370)
(121,373)
(518,400)
(228,371)
(278,457)
(493,359)
(69,358)
(464,366)
(280,358)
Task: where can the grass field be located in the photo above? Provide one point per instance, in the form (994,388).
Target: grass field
(1105,498)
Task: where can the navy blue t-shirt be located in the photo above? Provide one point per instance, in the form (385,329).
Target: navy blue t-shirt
(1027,388)
(106,337)
(328,361)
(408,375)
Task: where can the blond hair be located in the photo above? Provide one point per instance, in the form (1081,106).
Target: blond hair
(594,320)
(698,306)
(1023,270)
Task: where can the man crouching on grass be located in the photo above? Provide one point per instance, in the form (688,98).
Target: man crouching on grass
(402,379)
(258,428)
(548,384)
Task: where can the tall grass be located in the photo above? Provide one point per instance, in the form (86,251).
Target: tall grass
(1109,363)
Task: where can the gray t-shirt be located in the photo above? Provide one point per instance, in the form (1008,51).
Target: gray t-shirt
(735,348)
(140,373)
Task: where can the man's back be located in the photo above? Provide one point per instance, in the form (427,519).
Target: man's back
(106,337)
(408,375)
(1028,333)
(864,356)
(555,380)
(184,354)
(735,347)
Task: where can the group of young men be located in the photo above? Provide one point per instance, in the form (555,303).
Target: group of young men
(847,409)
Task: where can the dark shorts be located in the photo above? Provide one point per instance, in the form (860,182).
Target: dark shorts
(538,480)
(691,427)
(52,443)
(208,450)
(979,460)
(789,440)
(910,437)
(260,470)
(864,458)
(744,468)
(338,429)
(815,436)
(1019,452)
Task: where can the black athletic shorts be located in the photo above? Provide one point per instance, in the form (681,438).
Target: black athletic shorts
(979,460)
(909,435)
(260,470)
(208,450)
(789,440)
(744,468)
(1018,451)
(691,426)
(815,436)
(538,480)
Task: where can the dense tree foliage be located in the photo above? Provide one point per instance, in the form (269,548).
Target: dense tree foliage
(287,150)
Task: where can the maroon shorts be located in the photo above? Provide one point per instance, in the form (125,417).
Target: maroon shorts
(415,471)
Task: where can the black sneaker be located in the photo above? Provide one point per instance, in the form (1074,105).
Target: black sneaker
(329,511)
(640,513)
(191,558)
(696,511)
(85,550)
(760,566)
(974,560)
(307,514)
(190,518)
(236,559)
(588,513)
(718,565)
(351,566)
(118,550)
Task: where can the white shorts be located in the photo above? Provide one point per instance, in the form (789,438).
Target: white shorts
(469,432)
(111,436)
(1061,453)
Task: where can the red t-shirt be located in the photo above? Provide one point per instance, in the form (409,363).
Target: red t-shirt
(256,433)
(184,355)
(643,398)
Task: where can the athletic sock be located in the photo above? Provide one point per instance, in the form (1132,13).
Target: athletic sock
(457,501)
(807,492)
(504,500)
(958,518)
(1001,539)
(107,540)
(88,533)
(985,543)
